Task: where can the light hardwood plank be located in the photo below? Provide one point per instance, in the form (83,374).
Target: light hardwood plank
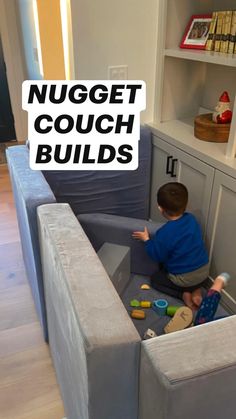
(30,390)
(10,278)
(20,338)
(11,256)
(19,366)
(52,411)
(28,386)
(16,307)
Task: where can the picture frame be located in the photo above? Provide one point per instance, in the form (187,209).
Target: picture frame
(196,32)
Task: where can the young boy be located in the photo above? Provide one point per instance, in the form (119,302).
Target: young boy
(178,246)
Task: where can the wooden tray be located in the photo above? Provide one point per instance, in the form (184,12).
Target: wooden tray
(207,130)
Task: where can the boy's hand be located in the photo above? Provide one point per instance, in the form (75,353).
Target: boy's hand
(141,235)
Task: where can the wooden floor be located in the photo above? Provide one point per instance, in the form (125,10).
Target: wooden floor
(28,388)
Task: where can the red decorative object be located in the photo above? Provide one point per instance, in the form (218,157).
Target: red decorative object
(196,32)
(223,113)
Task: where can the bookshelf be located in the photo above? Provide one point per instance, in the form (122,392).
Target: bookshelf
(188,81)
(210,57)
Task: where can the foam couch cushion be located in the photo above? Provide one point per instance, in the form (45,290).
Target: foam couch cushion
(30,190)
(101,228)
(125,193)
(190,374)
(94,344)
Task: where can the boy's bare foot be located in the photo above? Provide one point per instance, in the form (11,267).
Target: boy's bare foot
(197,297)
(220,282)
(187,298)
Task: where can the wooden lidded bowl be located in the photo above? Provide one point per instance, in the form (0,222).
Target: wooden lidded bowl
(207,130)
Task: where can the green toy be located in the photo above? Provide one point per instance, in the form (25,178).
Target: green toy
(134,303)
(171,310)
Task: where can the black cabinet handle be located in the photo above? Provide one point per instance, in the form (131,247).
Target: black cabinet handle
(173,167)
(168,169)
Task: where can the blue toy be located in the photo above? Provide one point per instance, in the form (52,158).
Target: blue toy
(160,306)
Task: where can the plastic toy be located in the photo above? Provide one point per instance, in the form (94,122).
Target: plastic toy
(149,334)
(145,304)
(171,310)
(145,287)
(134,303)
(182,319)
(138,314)
(160,306)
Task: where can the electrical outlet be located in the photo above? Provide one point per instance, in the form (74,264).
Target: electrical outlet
(119,72)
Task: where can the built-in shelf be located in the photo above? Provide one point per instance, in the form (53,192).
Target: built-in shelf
(210,57)
(190,79)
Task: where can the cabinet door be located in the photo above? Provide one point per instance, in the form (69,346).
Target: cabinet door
(198,178)
(162,157)
(196,175)
(221,232)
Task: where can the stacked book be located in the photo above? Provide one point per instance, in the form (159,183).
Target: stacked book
(222,32)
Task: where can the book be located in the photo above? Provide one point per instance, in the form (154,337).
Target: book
(219,24)
(211,34)
(226,26)
(232,37)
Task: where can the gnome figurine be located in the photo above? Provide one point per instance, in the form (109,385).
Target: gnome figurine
(222,114)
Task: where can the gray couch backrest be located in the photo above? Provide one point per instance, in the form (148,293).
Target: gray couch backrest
(94,344)
(30,190)
(124,193)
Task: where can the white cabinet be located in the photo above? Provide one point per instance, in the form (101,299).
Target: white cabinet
(212,199)
(171,164)
(189,82)
(198,178)
(221,232)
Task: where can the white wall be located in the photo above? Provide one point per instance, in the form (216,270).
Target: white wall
(29,38)
(110,33)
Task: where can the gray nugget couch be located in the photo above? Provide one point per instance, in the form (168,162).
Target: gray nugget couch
(104,369)
(116,192)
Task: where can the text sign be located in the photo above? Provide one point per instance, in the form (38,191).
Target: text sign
(84,124)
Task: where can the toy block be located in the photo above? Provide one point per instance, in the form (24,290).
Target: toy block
(116,261)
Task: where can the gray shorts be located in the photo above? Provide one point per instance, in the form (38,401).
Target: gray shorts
(190,279)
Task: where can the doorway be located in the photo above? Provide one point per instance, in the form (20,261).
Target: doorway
(7,128)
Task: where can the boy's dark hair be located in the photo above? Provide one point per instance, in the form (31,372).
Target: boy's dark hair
(173,198)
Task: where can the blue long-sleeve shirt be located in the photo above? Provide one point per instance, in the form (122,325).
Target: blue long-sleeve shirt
(178,245)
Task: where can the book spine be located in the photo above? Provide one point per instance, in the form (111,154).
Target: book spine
(220,16)
(232,37)
(222,41)
(230,16)
(226,25)
(210,39)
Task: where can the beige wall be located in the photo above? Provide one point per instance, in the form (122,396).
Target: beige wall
(110,33)
(51,39)
(105,33)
